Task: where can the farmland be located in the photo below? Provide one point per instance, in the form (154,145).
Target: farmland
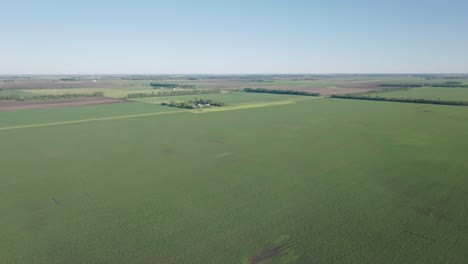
(297,180)
(234,132)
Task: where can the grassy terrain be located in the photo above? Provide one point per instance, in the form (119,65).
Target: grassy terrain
(326,181)
(432,93)
(39,116)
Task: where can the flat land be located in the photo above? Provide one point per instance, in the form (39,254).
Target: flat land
(77,113)
(19,105)
(120,86)
(315,181)
(432,93)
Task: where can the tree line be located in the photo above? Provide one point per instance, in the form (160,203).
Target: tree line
(172,85)
(401,100)
(195,103)
(272,91)
(47,96)
(172,93)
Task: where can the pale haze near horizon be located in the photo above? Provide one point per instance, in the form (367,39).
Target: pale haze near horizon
(235,37)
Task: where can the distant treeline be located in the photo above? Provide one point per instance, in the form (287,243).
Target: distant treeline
(401,100)
(173,85)
(46,96)
(444,84)
(438,77)
(193,104)
(258,80)
(262,90)
(172,93)
(304,79)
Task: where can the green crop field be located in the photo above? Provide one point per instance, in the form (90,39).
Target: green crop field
(312,181)
(432,93)
(53,115)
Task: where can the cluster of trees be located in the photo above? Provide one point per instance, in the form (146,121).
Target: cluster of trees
(401,100)
(304,79)
(196,103)
(173,85)
(210,102)
(411,85)
(172,93)
(262,90)
(46,96)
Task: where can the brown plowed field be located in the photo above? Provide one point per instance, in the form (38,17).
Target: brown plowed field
(18,105)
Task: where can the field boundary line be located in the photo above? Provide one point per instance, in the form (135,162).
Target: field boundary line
(90,120)
(309,98)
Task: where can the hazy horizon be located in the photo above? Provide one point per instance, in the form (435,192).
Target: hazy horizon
(233,37)
(235,74)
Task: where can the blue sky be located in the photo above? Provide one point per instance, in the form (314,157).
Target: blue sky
(158,37)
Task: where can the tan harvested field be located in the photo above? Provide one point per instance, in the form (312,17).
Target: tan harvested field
(20,105)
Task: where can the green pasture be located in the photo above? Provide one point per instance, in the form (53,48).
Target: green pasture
(319,181)
(52,115)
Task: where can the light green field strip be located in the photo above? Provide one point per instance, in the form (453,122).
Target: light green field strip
(90,120)
(309,98)
(238,107)
(246,106)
